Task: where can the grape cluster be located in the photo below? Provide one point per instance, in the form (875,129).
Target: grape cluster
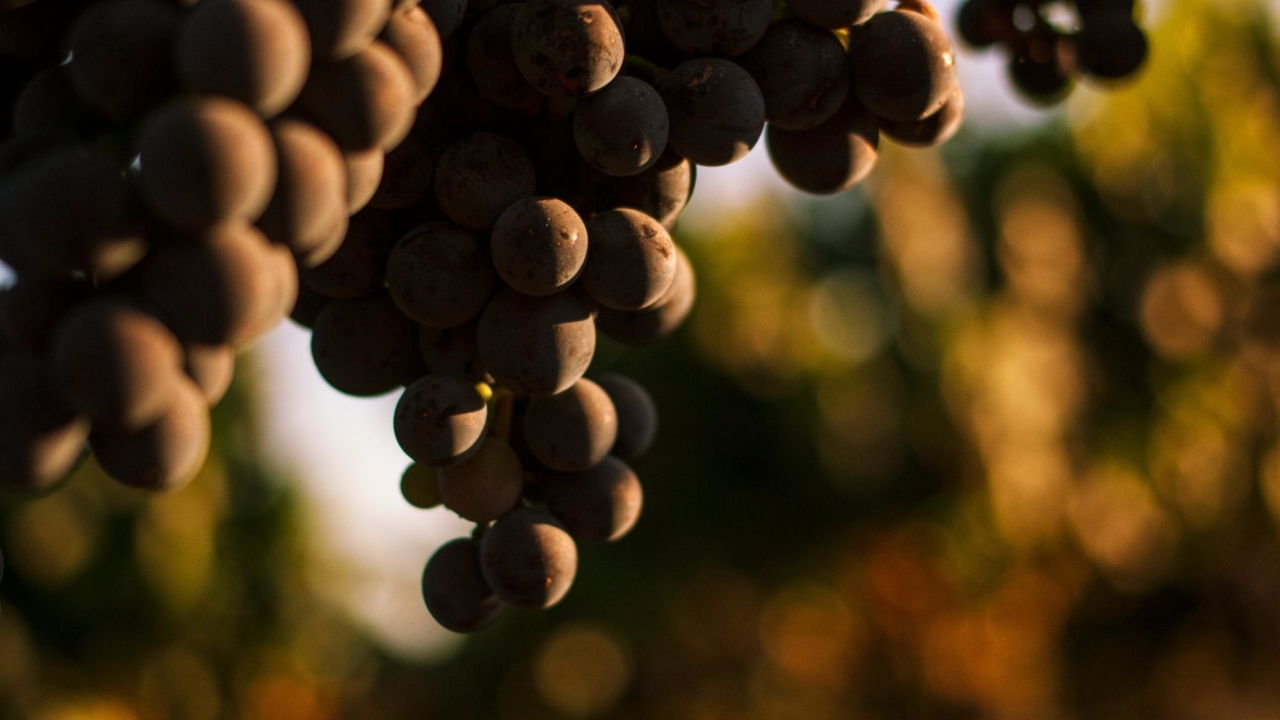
(1100,40)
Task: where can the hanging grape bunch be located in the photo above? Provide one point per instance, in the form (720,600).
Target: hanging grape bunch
(1101,40)
(455,199)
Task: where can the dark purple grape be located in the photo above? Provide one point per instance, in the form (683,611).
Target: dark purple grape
(364,174)
(33,307)
(49,104)
(41,439)
(72,210)
(412,35)
(480,176)
(446,14)
(165,455)
(409,174)
(486,485)
(367,100)
(715,109)
(1110,45)
(568,48)
(255,51)
(492,66)
(308,211)
(536,346)
(632,260)
(528,558)
(661,192)
(637,415)
(573,430)
(341,28)
(933,130)
(803,74)
(440,421)
(539,245)
(211,368)
(308,306)
(714,27)
(366,346)
(830,158)
(207,162)
(903,65)
(834,14)
(451,351)
(622,129)
(122,56)
(456,593)
(1038,68)
(647,326)
(439,275)
(983,23)
(601,504)
(117,365)
(419,487)
(359,265)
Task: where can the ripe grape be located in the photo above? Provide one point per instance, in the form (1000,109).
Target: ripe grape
(830,158)
(484,486)
(364,173)
(1110,45)
(206,162)
(163,456)
(440,420)
(622,129)
(568,48)
(647,326)
(632,260)
(439,275)
(41,439)
(412,35)
(903,65)
(307,306)
(366,346)
(419,487)
(455,590)
(31,310)
(528,558)
(359,265)
(715,109)
(661,192)
(492,66)
(714,27)
(572,430)
(637,415)
(121,56)
(48,104)
(341,28)
(308,211)
(480,176)
(835,14)
(211,368)
(409,174)
(600,504)
(983,23)
(451,351)
(539,245)
(255,51)
(536,346)
(1038,70)
(933,130)
(802,72)
(364,101)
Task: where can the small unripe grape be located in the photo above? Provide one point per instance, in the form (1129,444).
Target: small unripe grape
(485,486)
(528,558)
(601,504)
(440,420)
(573,430)
(455,590)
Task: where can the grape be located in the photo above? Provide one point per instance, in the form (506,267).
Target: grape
(632,260)
(830,158)
(364,101)
(71,210)
(36,30)
(1037,70)
(573,430)
(366,347)
(903,65)
(485,486)
(933,130)
(440,420)
(409,175)
(601,504)
(49,104)
(359,265)
(1110,45)
(643,32)
(661,192)
(218,288)
(41,440)
(165,455)
(308,212)
(255,51)
(307,306)
(528,558)
(568,48)
(802,72)
(637,415)
(206,162)
(480,176)
(341,28)
(622,130)
(647,326)
(539,245)
(122,52)
(419,486)
(364,174)
(439,275)
(412,35)
(536,346)
(446,14)
(117,365)
(456,593)
(211,368)
(716,111)
(33,307)
(983,23)
(833,14)
(492,66)
(714,27)
(451,351)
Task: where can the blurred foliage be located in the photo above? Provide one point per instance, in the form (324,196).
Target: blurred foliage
(993,436)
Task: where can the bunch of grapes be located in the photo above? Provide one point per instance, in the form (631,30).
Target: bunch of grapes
(1100,40)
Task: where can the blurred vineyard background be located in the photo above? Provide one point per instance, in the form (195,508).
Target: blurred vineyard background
(993,435)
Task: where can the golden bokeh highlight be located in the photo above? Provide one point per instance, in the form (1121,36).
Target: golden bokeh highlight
(582,671)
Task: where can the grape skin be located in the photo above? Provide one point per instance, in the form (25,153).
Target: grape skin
(830,158)
(903,65)
(365,347)
(165,455)
(802,72)
(568,48)
(365,101)
(122,53)
(601,504)
(833,14)
(480,176)
(661,192)
(440,421)
(716,111)
(48,104)
(364,174)
(622,130)
(573,430)
(41,439)
(491,64)
(455,590)
(484,486)
(647,326)
(451,351)
(714,27)
(632,260)
(637,415)
(931,131)
(341,28)
(536,346)
(528,558)
(359,265)
(539,246)
(412,35)
(439,275)
(308,211)
(211,368)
